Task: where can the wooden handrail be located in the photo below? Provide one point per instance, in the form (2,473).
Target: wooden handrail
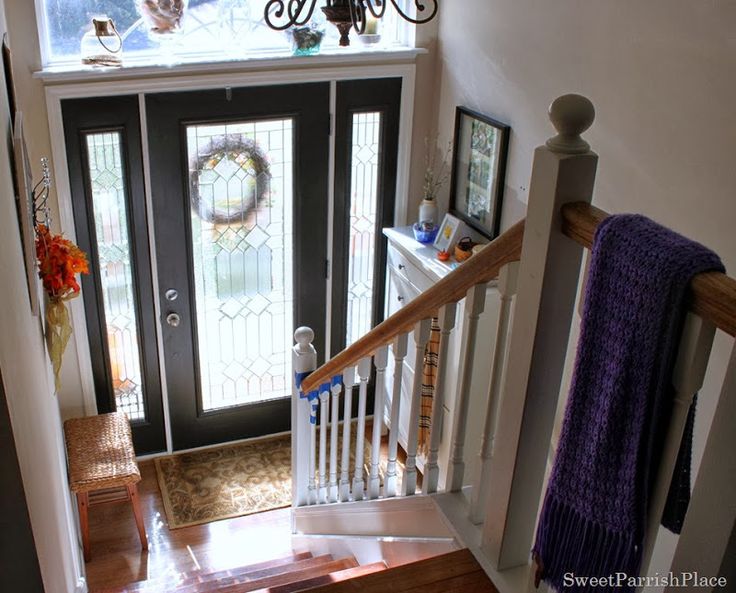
(482,267)
(713,293)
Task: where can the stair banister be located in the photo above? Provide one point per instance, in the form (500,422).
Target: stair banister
(399,352)
(304,361)
(563,171)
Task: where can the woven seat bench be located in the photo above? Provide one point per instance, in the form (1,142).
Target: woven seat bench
(101,459)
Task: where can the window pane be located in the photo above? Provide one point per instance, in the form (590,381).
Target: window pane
(363,205)
(241,183)
(115,270)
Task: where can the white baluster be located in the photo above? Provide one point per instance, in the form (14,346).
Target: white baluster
(706,542)
(421,337)
(334,430)
(348,380)
(380,360)
(507,277)
(687,379)
(447,323)
(324,420)
(563,172)
(474,304)
(304,361)
(399,350)
(364,373)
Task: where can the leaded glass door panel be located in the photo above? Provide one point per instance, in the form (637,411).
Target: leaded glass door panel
(239,191)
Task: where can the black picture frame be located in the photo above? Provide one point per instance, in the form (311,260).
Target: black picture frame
(480,151)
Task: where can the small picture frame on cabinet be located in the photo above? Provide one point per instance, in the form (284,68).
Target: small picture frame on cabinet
(448,234)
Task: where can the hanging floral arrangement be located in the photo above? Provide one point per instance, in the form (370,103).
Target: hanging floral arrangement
(59,262)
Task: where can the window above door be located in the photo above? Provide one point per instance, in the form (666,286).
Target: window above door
(211,31)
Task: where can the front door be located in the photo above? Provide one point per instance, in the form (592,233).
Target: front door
(239,190)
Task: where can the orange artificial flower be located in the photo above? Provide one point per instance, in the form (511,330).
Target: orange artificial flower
(59,261)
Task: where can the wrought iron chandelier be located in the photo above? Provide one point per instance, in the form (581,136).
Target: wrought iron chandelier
(344,14)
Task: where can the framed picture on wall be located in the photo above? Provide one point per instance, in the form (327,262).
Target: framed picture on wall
(478,170)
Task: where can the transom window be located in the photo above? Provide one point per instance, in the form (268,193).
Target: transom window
(212,30)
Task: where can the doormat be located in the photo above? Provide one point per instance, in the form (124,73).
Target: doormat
(234,480)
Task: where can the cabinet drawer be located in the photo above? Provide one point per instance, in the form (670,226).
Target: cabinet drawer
(401,265)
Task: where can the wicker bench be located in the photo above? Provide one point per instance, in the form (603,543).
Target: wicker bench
(102,461)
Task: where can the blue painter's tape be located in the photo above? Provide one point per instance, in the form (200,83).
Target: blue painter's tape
(299,377)
(324,387)
(337,380)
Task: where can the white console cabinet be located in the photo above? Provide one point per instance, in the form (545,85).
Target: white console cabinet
(412,268)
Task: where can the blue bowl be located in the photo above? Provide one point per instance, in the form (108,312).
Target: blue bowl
(424,236)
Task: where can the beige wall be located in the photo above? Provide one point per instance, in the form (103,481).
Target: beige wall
(33,407)
(661,75)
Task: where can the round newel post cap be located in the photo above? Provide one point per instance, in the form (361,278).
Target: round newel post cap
(304,336)
(571,115)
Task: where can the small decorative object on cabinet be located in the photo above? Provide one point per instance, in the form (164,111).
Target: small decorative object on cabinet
(478,170)
(102,44)
(449,231)
(425,232)
(411,269)
(464,249)
(306,41)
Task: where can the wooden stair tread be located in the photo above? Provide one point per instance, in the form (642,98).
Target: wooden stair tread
(333,577)
(455,571)
(301,574)
(163,583)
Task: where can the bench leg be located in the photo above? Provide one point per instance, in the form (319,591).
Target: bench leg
(82,506)
(135,501)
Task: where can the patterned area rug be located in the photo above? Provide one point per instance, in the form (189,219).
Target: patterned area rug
(225,482)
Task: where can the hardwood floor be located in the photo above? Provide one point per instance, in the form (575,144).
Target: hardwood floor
(117,558)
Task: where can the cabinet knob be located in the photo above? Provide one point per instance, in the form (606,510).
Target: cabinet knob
(402,267)
(400,298)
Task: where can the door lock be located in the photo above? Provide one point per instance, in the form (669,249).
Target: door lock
(173,319)
(171,294)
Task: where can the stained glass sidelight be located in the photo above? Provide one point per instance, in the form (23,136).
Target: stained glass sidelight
(363,205)
(241,185)
(115,270)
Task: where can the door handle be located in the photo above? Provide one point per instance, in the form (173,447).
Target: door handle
(173,319)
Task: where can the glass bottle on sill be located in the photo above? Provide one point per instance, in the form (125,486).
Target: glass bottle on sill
(102,45)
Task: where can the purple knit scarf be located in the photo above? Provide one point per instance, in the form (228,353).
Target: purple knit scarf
(594,513)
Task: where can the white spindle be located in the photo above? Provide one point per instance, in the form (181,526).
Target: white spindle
(324,420)
(334,430)
(687,379)
(348,380)
(421,337)
(474,304)
(447,323)
(399,351)
(563,171)
(703,545)
(380,360)
(364,373)
(304,361)
(507,277)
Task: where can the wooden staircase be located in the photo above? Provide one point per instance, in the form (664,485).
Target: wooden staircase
(454,572)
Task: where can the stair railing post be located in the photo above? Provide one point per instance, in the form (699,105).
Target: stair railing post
(336,388)
(563,171)
(506,289)
(364,373)
(422,331)
(380,360)
(474,304)
(349,380)
(304,361)
(399,351)
(432,470)
(324,420)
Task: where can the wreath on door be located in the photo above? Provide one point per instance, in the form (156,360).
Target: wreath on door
(228,158)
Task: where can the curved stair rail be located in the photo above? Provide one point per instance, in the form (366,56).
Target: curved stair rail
(538,266)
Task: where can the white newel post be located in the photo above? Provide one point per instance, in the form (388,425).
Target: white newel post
(380,360)
(507,278)
(563,171)
(703,545)
(432,470)
(399,350)
(475,302)
(348,377)
(304,361)
(421,337)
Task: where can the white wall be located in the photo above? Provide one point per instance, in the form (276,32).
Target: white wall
(661,75)
(34,409)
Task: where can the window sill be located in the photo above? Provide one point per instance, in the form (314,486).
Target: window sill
(268,61)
